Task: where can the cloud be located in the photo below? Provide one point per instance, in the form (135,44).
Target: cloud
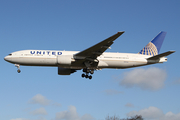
(153,113)
(129,105)
(40,118)
(177,81)
(39,99)
(87,117)
(148,113)
(171,116)
(39,111)
(42,100)
(71,114)
(146,79)
(112,92)
(56,104)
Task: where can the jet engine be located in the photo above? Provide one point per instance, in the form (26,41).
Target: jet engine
(65,71)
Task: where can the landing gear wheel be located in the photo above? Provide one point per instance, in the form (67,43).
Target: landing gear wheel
(84,70)
(83,75)
(18,66)
(18,71)
(86,73)
(86,76)
(92,71)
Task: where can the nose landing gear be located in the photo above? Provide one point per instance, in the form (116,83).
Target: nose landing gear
(18,66)
(87,71)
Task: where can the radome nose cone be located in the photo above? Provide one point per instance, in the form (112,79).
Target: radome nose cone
(5,58)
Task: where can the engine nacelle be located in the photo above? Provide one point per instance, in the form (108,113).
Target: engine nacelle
(65,71)
(64,60)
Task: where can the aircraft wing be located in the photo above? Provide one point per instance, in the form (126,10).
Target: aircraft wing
(96,50)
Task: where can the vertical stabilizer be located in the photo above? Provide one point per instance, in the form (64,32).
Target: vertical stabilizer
(153,47)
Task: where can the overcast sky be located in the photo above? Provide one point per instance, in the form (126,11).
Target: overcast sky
(39,93)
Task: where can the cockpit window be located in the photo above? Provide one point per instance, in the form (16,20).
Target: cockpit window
(10,54)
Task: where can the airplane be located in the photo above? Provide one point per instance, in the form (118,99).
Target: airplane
(92,58)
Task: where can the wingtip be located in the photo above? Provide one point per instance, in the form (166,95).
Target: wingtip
(121,31)
(172,51)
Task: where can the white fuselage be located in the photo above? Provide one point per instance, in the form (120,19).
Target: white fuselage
(53,58)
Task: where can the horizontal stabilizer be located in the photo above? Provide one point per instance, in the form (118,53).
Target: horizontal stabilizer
(156,57)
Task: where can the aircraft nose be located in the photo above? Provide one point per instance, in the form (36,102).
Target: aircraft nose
(6,58)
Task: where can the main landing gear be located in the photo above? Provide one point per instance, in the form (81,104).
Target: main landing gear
(87,71)
(18,66)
